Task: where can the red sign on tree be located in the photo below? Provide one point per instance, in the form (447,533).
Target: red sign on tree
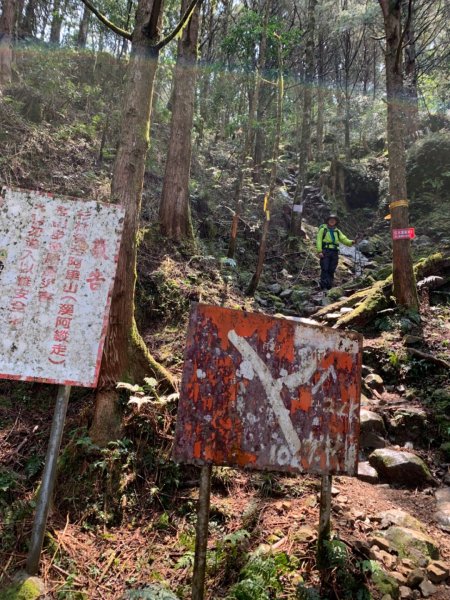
(408,233)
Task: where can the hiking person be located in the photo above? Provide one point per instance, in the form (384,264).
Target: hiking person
(328,239)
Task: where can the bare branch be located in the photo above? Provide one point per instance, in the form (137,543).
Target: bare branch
(118,30)
(184,19)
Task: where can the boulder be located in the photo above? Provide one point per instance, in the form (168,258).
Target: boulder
(427,167)
(427,588)
(445,449)
(372,421)
(412,340)
(442,515)
(275,288)
(405,593)
(381,556)
(374,382)
(415,578)
(356,184)
(401,467)
(437,571)
(367,473)
(24,587)
(385,584)
(399,577)
(152,592)
(299,296)
(381,542)
(415,545)
(372,430)
(396,516)
(408,424)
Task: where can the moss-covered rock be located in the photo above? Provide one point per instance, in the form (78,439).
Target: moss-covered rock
(26,588)
(401,467)
(356,184)
(385,584)
(445,449)
(412,544)
(400,518)
(428,165)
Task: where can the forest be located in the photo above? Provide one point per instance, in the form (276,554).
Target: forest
(231,133)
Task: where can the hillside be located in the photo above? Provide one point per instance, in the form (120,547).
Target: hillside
(122,521)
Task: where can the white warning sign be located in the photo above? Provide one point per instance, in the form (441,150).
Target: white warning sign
(58,260)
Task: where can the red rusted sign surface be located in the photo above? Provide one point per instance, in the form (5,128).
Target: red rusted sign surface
(268,393)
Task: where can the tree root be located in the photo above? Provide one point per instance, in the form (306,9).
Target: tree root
(367,303)
(143,364)
(107,422)
(434,359)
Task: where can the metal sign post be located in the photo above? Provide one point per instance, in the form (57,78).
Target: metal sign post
(201,533)
(266,394)
(48,480)
(324,520)
(58,260)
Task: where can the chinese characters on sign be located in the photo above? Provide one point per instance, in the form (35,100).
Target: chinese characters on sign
(404,234)
(57,265)
(268,393)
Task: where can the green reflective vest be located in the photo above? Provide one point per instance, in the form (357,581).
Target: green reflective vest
(325,239)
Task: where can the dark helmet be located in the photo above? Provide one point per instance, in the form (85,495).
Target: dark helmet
(333,216)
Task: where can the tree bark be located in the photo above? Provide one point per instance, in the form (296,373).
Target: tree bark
(403,275)
(411,95)
(125,353)
(28,24)
(273,179)
(83,29)
(174,211)
(6,41)
(260,97)
(305,137)
(56,24)
(250,134)
(320,94)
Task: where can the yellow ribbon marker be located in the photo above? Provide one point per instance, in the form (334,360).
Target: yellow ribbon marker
(398,204)
(266,200)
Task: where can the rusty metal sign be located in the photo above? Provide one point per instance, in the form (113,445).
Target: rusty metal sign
(269,394)
(58,260)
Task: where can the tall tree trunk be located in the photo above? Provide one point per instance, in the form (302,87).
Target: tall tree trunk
(124,44)
(403,275)
(28,24)
(174,210)
(305,137)
(56,24)
(411,95)
(268,200)
(244,168)
(250,134)
(207,22)
(259,138)
(125,354)
(83,29)
(6,41)
(260,96)
(347,113)
(320,93)
(347,48)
